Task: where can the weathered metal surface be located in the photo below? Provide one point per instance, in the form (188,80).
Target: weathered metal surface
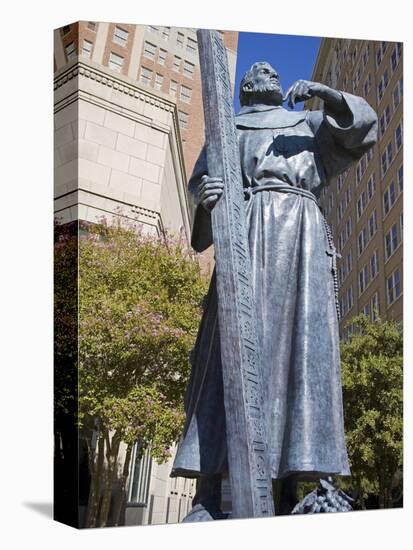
(246,441)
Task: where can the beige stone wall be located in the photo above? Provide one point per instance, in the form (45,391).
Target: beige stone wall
(170,499)
(117,147)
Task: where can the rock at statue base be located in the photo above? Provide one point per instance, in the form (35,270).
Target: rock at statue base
(325,498)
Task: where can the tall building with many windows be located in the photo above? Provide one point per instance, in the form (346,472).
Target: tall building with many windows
(364,206)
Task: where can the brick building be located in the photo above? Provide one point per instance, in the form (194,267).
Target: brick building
(364,206)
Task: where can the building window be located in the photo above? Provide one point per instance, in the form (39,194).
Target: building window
(372,223)
(91,25)
(366,55)
(366,310)
(383,83)
(146,76)
(348,196)
(186,94)
(158,81)
(173,87)
(349,262)
(367,85)
(398,94)
(191,46)
(140,475)
(153,29)
(346,302)
(363,279)
(361,204)
(393,287)
(115,62)
(340,181)
(398,134)
(161,56)
(176,64)
(362,240)
(341,241)
(371,186)
(120,36)
(340,210)
(70,50)
(348,229)
(340,275)
(66,29)
(375,306)
(384,120)
(165,33)
(389,198)
(149,51)
(391,241)
(380,52)
(330,203)
(354,55)
(374,264)
(87,48)
(183,120)
(369,155)
(362,166)
(386,158)
(180,40)
(395,56)
(400,178)
(356,80)
(189,69)
(349,298)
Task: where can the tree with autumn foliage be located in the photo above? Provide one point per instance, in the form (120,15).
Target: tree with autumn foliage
(372,373)
(139,305)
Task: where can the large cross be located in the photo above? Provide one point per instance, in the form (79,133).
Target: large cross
(248,460)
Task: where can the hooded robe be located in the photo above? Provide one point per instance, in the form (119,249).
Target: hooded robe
(286,159)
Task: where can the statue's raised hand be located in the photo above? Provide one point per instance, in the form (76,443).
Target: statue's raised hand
(302,90)
(210,191)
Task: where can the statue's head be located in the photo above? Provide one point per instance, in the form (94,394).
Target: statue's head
(261,81)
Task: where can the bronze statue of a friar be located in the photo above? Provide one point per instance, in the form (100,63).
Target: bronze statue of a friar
(286,158)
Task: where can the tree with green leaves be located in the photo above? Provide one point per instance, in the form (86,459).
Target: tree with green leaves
(372,373)
(139,306)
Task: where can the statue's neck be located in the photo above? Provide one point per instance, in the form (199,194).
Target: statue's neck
(264,103)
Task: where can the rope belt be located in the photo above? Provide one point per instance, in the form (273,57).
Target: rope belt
(281,188)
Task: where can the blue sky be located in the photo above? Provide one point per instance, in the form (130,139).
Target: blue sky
(293,57)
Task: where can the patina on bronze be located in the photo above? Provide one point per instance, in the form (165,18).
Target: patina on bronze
(286,158)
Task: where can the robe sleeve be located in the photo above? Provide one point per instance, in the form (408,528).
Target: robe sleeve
(343,139)
(201,238)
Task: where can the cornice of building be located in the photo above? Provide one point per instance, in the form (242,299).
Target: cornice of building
(121,83)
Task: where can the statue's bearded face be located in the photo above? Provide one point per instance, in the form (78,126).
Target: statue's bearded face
(266,81)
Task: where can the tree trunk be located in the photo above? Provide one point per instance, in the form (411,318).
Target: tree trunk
(120,500)
(95,485)
(112,451)
(382,489)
